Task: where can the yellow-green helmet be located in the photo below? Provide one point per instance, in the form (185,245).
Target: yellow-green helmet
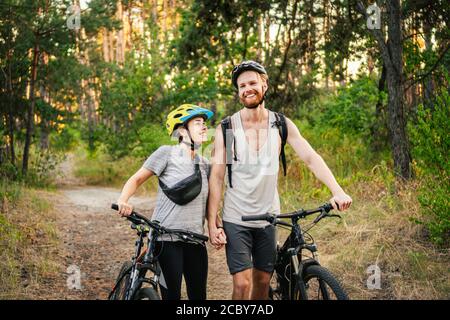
(184,113)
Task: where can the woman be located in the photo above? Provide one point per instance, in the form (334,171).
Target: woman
(181,200)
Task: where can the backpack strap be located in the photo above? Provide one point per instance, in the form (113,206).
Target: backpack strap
(282,128)
(228,136)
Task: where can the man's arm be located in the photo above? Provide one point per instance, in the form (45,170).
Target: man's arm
(317,165)
(216,177)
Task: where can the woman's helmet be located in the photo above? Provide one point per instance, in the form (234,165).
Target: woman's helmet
(183,114)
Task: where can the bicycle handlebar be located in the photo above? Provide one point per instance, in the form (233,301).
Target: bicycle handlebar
(137,218)
(274,218)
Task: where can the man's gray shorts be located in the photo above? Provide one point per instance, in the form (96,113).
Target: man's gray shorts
(250,247)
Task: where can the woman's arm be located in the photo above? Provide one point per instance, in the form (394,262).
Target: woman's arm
(130,188)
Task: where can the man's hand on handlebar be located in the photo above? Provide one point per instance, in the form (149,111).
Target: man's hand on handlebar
(341,201)
(125,209)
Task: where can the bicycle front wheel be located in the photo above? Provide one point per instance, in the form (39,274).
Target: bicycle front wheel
(319,284)
(147,294)
(122,282)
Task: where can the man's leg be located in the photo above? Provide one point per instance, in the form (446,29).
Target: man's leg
(261,280)
(239,258)
(264,255)
(242,284)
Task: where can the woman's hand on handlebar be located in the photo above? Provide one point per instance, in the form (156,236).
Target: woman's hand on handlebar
(125,209)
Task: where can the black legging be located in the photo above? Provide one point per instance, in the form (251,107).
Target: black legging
(180,258)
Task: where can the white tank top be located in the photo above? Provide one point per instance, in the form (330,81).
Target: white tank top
(254,175)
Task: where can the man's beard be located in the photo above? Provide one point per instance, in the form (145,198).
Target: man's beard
(253,105)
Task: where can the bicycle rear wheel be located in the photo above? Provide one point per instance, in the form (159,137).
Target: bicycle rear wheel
(319,284)
(122,282)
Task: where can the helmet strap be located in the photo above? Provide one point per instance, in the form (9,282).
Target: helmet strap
(191,144)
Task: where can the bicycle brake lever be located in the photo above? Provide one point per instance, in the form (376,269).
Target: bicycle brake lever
(320,217)
(335,216)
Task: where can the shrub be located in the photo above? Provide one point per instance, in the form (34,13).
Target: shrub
(430,138)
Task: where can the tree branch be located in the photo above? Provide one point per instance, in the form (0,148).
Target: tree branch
(426,74)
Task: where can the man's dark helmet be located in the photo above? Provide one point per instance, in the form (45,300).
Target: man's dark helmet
(249,65)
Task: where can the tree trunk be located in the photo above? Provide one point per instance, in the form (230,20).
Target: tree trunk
(288,44)
(392,54)
(428,81)
(155,11)
(381,88)
(164,21)
(326,35)
(90,124)
(11,117)
(120,45)
(45,96)
(30,112)
(267,37)
(377,128)
(105,45)
(259,50)
(394,71)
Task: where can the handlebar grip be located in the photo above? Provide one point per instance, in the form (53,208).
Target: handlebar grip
(328,206)
(256,217)
(133,217)
(115,206)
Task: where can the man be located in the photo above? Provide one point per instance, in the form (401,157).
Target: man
(251,246)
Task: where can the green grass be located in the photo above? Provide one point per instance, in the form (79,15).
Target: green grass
(27,234)
(100,169)
(378,229)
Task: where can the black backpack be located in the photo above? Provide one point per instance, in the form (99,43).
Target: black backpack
(228,133)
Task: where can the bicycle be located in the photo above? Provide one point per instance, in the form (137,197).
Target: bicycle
(133,274)
(298,276)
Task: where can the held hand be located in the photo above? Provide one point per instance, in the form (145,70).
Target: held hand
(222,236)
(343,200)
(217,237)
(125,208)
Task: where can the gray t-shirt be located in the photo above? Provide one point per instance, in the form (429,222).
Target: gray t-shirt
(172,164)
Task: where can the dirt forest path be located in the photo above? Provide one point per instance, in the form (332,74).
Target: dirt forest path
(96,241)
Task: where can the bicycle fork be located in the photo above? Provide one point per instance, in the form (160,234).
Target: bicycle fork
(295,272)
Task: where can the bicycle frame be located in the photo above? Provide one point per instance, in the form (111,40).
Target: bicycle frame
(142,262)
(290,255)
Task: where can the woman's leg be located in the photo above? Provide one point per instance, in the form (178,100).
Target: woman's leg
(171,262)
(195,270)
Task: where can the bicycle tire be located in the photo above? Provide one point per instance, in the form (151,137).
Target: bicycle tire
(120,288)
(147,294)
(325,282)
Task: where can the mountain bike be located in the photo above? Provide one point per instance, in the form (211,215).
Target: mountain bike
(298,274)
(139,278)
